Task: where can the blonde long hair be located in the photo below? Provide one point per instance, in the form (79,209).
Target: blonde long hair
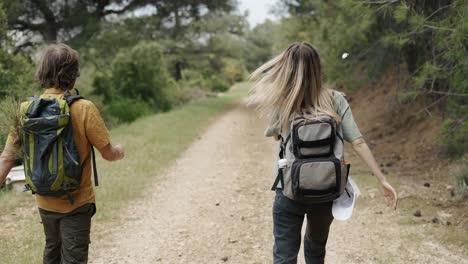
(292,83)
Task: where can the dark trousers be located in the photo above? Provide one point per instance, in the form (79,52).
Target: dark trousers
(288,216)
(67,236)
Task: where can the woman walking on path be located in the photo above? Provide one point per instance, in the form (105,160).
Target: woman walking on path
(291,84)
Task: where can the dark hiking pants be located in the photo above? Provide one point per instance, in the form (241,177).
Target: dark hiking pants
(67,235)
(288,216)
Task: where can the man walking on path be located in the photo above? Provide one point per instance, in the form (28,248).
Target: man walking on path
(67,218)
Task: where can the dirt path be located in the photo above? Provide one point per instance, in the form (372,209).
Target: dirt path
(213,206)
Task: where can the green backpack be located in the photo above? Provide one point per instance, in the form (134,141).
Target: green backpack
(51,161)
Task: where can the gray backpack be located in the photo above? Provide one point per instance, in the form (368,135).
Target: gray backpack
(313,168)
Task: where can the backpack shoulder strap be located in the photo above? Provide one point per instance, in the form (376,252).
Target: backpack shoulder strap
(283,144)
(279,176)
(96,179)
(72,98)
(279,179)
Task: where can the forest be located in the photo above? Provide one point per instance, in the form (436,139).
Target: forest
(170,78)
(148,56)
(140,57)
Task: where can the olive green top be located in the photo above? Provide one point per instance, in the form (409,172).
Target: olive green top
(350,129)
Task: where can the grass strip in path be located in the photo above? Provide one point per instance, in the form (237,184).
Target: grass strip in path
(151,143)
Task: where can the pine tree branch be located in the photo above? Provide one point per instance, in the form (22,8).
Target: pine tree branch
(438,28)
(445,93)
(426,109)
(438,10)
(383,2)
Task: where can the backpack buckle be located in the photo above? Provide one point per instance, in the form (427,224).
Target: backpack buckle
(28,188)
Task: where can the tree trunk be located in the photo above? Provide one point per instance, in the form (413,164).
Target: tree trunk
(49,34)
(175,32)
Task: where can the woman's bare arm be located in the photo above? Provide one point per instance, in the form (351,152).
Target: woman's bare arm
(363,151)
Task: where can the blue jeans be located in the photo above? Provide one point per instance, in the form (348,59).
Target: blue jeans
(288,216)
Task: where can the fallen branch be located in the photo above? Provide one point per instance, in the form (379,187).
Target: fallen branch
(426,109)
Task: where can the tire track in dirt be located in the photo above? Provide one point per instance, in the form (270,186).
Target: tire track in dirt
(213,205)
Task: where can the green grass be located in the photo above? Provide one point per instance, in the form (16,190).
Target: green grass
(459,171)
(151,143)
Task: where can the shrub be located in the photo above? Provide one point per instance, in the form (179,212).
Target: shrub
(459,171)
(16,84)
(456,136)
(209,82)
(103,86)
(192,78)
(141,74)
(127,110)
(137,75)
(16,76)
(216,84)
(233,71)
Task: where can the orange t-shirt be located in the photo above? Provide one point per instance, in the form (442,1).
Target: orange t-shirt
(88,128)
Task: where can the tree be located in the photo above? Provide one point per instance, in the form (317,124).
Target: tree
(138,74)
(185,24)
(180,14)
(299,7)
(3,23)
(427,38)
(62,20)
(15,71)
(76,21)
(259,45)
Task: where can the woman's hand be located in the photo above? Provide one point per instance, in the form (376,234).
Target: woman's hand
(389,193)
